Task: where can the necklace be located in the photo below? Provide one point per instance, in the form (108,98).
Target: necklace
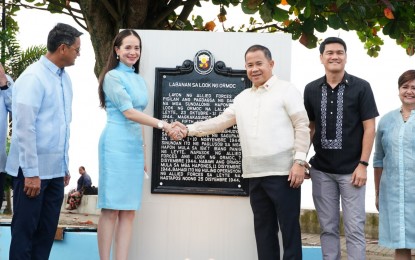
(405,117)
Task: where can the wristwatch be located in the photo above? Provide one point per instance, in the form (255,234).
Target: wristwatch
(300,162)
(8,84)
(160,125)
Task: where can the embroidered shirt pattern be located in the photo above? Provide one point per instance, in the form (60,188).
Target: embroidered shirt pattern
(336,143)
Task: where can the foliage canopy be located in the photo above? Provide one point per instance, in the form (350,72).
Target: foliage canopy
(301,18)
(15,60)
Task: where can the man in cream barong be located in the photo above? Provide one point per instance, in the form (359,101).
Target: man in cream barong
(275,138)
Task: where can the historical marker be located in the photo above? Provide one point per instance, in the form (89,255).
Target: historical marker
(195,91)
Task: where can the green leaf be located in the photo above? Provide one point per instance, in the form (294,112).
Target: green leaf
(387,28)
(341,2)
(376,40)
(312,42)
(362,36)
(372,52)
(319,2)
(217,2)
(53,8)
(392,29)
(188,26)
(14,9)
(334,21)
(199,22)
(250,6)
(27,57)
(308,26)
(265,13)
(320,24)
(360,11)
(307,10)
(280,14)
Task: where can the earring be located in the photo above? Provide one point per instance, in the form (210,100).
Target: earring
(118,57)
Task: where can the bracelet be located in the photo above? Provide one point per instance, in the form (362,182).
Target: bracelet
(364,163)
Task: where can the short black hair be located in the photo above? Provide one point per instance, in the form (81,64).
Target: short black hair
(262,48)
(61,34)
(330,40)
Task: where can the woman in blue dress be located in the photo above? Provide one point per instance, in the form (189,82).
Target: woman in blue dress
(123,94)
(394,166)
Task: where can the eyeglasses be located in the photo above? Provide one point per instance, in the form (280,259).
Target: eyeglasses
(78,50)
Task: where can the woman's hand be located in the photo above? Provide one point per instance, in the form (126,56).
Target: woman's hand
(176,131)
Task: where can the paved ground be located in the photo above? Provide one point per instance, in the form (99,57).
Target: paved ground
(373,250)
(68,219)
(74,220)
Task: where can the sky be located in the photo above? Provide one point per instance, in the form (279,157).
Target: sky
(88,119)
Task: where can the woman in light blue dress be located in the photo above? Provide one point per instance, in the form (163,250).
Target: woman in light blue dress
(394,165)
(123,94)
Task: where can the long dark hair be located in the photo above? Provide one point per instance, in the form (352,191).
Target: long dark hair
(112,62)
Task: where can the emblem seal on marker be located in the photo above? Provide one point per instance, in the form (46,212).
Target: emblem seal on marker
(204,62)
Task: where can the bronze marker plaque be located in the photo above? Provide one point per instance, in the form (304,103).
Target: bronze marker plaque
(196,91)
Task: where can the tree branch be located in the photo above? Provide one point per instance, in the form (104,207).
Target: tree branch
(57,3)
(187,9)
(171,6)
(269,26)
(85,27)
(111,10)
(46,10)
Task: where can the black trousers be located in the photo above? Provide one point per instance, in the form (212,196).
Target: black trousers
(35,220)
(276,206)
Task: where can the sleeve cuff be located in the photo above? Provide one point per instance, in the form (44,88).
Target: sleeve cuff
(30,173)
(377,164)
(300,156)
(192,129)
(125,107)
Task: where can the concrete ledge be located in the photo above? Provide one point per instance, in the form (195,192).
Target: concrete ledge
(78,244)
(309,223)
(88,205)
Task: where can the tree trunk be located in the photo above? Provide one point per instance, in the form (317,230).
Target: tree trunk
(104,24)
